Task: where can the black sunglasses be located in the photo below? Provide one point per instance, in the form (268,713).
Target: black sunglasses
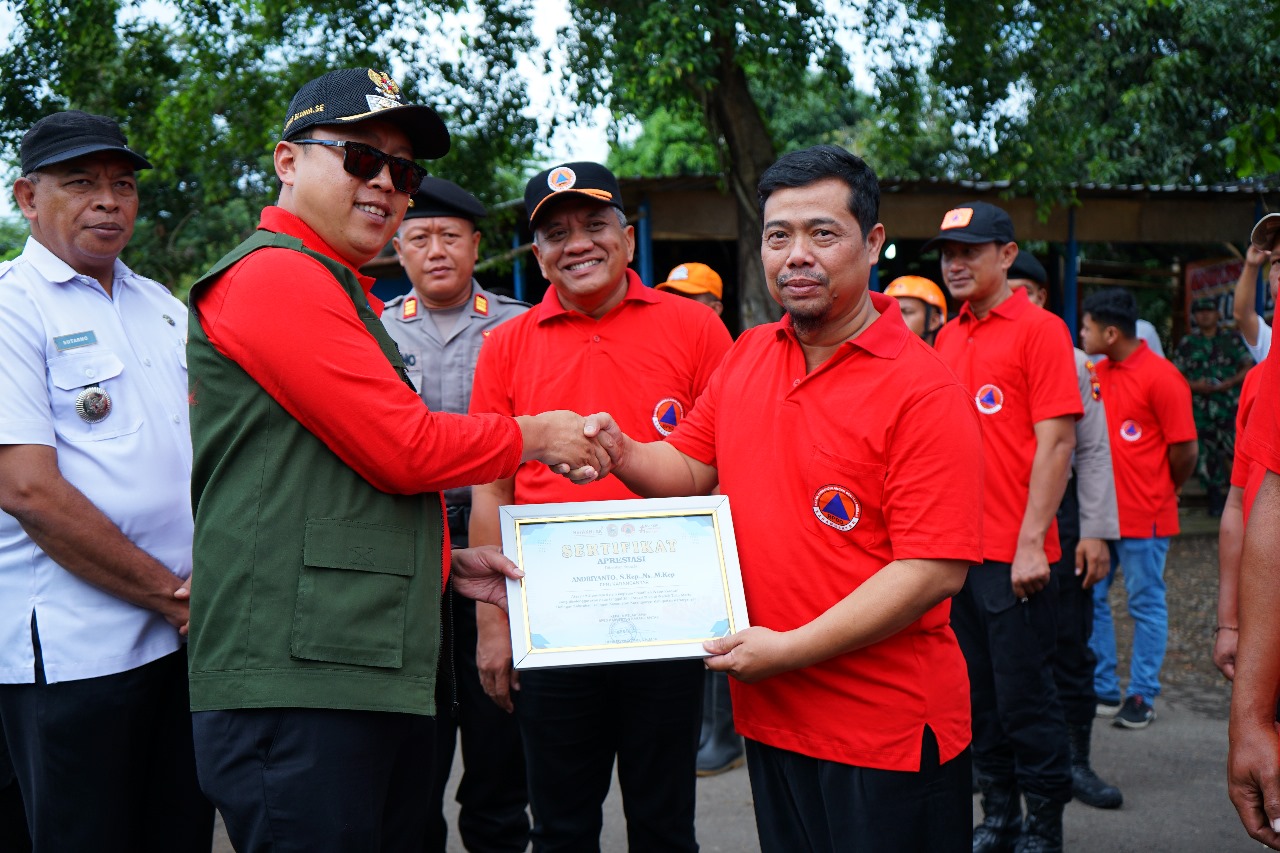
(366,162)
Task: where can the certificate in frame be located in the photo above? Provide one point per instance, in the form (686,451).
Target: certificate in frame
(621,581)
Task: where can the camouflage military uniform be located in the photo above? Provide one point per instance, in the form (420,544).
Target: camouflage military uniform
(1213,358)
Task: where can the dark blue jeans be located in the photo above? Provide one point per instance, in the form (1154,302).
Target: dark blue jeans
(574,721)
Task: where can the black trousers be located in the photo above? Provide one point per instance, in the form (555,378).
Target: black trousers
(493,817)
(808,805)
(313,780)
(1019,733)
(574,721)
(1073,660)
(106,764)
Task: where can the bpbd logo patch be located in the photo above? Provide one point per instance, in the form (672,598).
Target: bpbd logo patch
(990,399)
(1131,430)
(667,415)
(835,506)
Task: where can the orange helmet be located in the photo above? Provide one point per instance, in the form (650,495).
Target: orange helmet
(919,288)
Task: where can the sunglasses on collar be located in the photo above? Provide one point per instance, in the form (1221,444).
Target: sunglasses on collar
(366,162)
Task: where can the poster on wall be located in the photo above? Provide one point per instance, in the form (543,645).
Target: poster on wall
(1217,279)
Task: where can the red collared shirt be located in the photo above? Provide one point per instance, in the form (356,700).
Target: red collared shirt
(831,475)
(1017,364)
(645,362)
(1148,405)
(322,365)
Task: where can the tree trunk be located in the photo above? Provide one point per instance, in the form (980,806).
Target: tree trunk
(732,115)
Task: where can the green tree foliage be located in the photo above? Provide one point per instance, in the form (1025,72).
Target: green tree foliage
(1051,93)
(706,59)
(202,87)
(818,112)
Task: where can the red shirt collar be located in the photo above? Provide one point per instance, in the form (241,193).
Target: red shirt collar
(1011,309)
(283,222)
(884,338)
(636,291)
(1135,358)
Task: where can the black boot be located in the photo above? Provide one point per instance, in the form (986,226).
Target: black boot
(1042,833)
(1085,784)
(721,746)
(1001,817)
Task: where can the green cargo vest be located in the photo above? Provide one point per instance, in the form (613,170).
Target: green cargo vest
(310,587)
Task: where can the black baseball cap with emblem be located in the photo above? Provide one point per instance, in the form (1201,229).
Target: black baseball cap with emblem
(570,179)
(356,94)
(70,134)
(974,222)
(438,197)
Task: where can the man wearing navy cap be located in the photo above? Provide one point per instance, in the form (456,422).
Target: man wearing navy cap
(320,539)
(1016,360)
(439,327)
(599,340)
(95,511)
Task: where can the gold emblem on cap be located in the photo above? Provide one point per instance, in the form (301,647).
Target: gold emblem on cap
(384,84)
(93,404)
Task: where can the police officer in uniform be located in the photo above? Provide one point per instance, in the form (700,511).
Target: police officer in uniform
(439,326)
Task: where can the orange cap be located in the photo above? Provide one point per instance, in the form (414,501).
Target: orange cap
(919,288)
(693,279)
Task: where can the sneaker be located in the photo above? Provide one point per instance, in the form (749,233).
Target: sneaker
(1136,713)
(1108,707)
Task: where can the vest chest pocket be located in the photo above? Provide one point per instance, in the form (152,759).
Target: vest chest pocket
(352,593)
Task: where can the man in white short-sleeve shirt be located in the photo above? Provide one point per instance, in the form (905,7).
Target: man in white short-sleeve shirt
(1264,246)
(95,511)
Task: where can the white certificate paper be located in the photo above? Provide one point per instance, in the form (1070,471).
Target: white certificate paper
(617,581)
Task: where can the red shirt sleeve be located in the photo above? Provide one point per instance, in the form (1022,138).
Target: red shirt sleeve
(1262,436)
(324,367)
(924,521)
(1054,385)
(1171,404)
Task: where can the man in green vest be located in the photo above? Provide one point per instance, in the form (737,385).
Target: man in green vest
(320,544)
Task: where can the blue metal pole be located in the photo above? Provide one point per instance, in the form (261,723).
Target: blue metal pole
(1070,285)
(644,233)
(517,269)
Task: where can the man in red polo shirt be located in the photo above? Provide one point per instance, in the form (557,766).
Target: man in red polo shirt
(1153,451)
(600,339)
(850,686)
(1253,762)
(1016,360)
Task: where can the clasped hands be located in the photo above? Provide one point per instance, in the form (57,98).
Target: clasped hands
(580,449)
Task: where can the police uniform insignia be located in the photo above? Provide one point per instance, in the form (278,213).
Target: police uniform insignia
(667,415)
(835,506)
(1095,387)
(989,399)
(409,309)
(75,341)
(1131,430)
(481,305)
(93,404)
(168,319)
(486,332)
(561,179)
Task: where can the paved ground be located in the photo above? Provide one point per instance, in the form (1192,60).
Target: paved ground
(1172,773)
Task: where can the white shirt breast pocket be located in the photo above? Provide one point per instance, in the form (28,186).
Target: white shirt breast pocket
(91,397)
